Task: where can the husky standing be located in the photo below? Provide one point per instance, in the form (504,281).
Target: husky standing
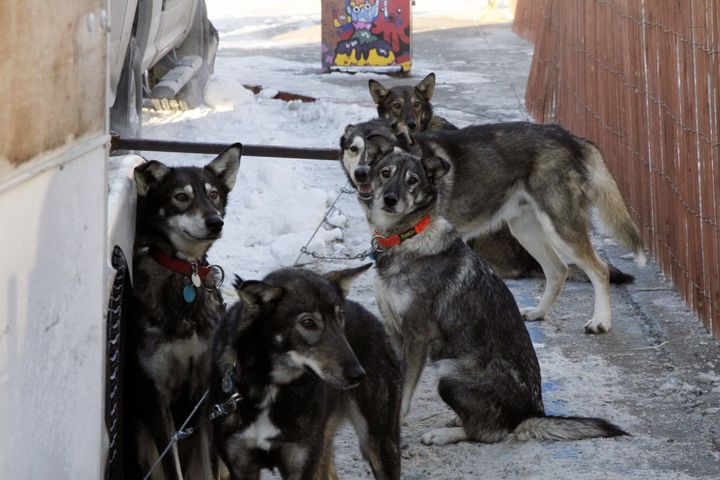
(175,308)
(441,299)
(537,178)
(409,107)
(292,360)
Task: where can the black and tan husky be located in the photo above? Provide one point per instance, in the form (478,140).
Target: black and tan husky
(175,309)
(441,300)
(290,362)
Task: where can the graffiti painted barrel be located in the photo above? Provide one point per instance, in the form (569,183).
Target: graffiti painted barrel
(366,35)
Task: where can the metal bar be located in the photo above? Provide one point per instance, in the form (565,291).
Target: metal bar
(149,145)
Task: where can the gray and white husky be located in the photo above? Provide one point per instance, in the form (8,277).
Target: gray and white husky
(538,179)
(175,308)
(440,299)
(296,358)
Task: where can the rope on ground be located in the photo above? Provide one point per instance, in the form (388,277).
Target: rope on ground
(180,434)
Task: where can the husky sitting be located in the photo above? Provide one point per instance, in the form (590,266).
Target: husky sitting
(439,298)
(290,362)
(175,308)
(537,178)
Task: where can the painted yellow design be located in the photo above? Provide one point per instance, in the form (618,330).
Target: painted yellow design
(373,59)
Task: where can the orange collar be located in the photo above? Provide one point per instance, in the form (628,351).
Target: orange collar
(394,240)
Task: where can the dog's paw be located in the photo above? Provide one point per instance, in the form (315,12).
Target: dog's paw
(532,314)
(455,422)
(598,326)
(444,436)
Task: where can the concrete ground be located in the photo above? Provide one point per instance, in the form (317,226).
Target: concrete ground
(657,372)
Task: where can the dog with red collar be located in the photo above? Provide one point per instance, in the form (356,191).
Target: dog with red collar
(175,307)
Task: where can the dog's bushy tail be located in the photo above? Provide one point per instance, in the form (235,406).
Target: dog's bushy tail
(565,428)
(612,209)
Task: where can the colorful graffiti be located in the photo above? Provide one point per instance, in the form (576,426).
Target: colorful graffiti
(366,33)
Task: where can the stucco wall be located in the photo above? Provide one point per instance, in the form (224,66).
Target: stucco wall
(53,83)
(51,323)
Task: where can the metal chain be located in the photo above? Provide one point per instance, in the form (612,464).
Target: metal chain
(318,256)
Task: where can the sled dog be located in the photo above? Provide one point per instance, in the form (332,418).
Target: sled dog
(410,107)
(538,179)
(441,300)
(175,308)
(293,359)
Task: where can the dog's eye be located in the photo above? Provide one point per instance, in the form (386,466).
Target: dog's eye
(412,180)
(354,148)
(397,106)
(309,323)
(385,172)
(181,197)
(213,195)
(416,104)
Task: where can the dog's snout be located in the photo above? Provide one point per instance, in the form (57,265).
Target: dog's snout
(214,223)
(354,374)
(412,125)
(361,173)
(390,199)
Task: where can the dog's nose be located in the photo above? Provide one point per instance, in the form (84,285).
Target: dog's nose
(361,173)
(354,374)
(390,199)
(411,125)
(214,223)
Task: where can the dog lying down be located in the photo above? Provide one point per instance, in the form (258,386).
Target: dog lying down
(290,362)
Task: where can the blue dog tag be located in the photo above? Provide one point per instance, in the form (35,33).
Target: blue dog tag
(189,293)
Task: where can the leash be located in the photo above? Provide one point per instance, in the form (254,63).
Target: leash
(216,411)
(181,434)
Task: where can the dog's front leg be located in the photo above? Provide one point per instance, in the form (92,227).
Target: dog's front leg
(414,356)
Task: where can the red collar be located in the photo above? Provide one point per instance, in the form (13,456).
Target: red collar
(398,238)
(180,266)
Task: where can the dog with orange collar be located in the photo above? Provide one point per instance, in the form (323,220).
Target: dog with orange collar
(441,300)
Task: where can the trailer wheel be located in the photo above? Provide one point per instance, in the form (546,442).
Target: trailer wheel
(126,112)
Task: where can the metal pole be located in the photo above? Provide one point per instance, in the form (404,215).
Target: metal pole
(118,143)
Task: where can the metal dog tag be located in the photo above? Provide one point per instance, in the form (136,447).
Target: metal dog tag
(189,293)
(195,278)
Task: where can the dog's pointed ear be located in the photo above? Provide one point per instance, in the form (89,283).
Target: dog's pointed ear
(426,87)
(343,278)
(436,167)
(344,138)
(257,293)
(226,165)
(378,92)
(148,175)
